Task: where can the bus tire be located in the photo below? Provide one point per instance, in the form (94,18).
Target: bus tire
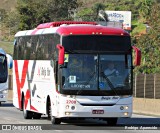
(49,113)
(26,114)
(49,109)
(112,121)
(36,116)
(55,120)
(0,103)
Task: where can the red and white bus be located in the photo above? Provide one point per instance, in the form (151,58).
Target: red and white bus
(60,70)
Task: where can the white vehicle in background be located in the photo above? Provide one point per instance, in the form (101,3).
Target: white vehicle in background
(5,63)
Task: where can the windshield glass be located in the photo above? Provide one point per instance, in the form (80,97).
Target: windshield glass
(115,72)
(3,69)
(97,43)
(88,74)
(79,72)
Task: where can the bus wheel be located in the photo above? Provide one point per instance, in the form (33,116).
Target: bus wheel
(49,109)
(55,120)
(36,116)
(26,114)
(112,121)
(50,117)
(0,103)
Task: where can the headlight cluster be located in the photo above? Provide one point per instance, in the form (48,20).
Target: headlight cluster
(3,92)
(70,107)
(124,108)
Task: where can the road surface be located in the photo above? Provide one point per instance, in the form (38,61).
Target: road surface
(9,115)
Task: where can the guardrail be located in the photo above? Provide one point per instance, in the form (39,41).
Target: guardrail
(146,86)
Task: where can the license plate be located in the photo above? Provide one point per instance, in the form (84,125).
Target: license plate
(97,111)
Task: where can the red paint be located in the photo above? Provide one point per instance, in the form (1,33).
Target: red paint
(20,82)
(61,54)
(27,97)
(57,91)
(91,30)
(56,24)
(33,108)
(34,32)
(137,61)
(70,101)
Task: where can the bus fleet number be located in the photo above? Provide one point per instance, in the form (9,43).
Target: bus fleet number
(70,102)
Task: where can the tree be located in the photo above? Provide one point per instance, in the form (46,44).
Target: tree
(3,15)
(150,43)
(34,12)
(144,10)
(92,14)
(96,8)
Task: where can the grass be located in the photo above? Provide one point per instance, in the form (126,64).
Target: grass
(7,4)
(7,46)
(138,28)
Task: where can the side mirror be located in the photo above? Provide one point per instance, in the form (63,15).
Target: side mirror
(137,60)
(9,61)
(61,54)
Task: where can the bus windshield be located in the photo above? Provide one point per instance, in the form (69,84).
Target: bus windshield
(91,74)
(3,69)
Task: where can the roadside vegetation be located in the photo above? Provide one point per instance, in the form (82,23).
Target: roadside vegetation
(27,14)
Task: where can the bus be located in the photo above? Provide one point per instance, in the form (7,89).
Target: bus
(59,71)
(5,64)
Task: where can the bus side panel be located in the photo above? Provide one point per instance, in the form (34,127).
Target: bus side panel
(41,84)
(20,69)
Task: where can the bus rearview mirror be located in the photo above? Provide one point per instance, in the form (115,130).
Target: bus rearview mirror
(137,60)
(61,54)
(9,61)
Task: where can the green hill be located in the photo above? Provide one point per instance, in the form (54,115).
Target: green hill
(7,46)
(7,4)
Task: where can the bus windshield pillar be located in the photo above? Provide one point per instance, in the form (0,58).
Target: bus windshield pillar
(61,54)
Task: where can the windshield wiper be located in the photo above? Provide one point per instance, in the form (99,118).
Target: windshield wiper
(87,82)
(72,52)
(109,82)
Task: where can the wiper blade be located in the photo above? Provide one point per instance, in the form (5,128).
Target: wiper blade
(109,82)
(72,52)
(87,82)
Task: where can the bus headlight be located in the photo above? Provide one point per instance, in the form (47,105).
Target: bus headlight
(121,108)
(67,113)
(126,107)
(125,113)
(67,106)
(4,92)
(73,107)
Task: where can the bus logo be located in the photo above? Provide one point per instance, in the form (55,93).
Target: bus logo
(105,98)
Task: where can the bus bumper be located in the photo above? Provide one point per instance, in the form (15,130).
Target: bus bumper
(114,111)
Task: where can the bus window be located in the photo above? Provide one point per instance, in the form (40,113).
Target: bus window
(3,69)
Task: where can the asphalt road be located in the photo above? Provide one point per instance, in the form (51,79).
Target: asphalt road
(9,115)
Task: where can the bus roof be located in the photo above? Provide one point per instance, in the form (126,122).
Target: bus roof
(73,29)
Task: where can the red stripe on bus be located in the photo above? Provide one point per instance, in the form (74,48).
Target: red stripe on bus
(33,108)
(27,97)
(57,91)
(20,82)
(34,32)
